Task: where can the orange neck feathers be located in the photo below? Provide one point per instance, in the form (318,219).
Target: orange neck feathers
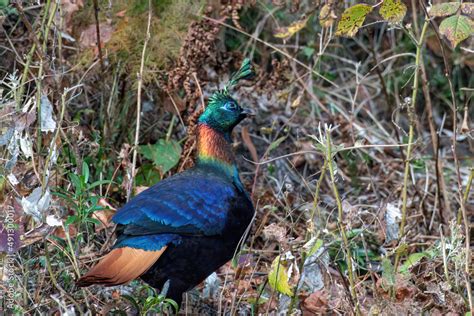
(213,146)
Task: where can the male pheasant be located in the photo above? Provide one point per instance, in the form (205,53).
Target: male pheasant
(185,227)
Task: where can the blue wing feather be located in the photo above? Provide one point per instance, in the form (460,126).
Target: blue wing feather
(189,203)
(147,242)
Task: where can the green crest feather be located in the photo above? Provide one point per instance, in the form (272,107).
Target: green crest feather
(244,72)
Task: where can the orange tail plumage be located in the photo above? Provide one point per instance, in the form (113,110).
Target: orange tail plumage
(120,266)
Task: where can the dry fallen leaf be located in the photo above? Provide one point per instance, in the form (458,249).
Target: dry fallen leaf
(89,35)
(287,32)
(315,303)
(327,16)
(139,189)
(59,231)
(121,14)
(104,217)
(273,232)
(69,8)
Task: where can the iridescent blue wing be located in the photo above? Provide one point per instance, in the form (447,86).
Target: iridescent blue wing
(190,203)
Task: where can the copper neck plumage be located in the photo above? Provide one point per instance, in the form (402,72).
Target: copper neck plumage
(213,145)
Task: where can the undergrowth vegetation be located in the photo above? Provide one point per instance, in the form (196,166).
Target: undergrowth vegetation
(359,160)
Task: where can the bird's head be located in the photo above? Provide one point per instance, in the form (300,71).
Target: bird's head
(223,113)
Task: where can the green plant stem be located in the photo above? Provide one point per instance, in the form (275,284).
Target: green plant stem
(139,102)
(24,77)
(71,249)
(466,195)
(310,231)
(340,222)
(411,136)
(55,281)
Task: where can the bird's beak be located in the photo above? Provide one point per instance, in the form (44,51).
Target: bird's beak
(246,113)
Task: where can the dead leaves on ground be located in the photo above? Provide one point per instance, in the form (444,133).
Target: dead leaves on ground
(88,37)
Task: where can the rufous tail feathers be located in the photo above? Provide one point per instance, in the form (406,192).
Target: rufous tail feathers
(120,266)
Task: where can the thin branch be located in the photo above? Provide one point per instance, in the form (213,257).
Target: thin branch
(139,103)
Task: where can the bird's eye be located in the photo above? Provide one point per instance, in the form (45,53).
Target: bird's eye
(231,106)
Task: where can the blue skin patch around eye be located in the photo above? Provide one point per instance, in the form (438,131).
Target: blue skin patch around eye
(230,106)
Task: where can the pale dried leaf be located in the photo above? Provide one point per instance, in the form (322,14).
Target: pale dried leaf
(36,203)
(274,232)
(53,221)
(444,9)
(26,146)
(327,17)
(12,179)
(468,9)
(293,28)
(393,216)
(48,124)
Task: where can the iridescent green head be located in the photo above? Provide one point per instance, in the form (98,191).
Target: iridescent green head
(223,113)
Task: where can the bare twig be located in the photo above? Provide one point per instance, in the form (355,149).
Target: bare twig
(139,102)
(97,29)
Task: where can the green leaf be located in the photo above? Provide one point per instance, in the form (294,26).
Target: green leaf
(315,247)
(92,220)
(388,272)
(164,154)
(393,11)
(70,220)
(444,9)
(97,183)
(412,260)
(352,19)
(456,29)
(308,51)
(402,249)
(85,172)
(172,303)
(65,197)
(147,175)
(76,182)
(278,278)
(276,143)
(3,4)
